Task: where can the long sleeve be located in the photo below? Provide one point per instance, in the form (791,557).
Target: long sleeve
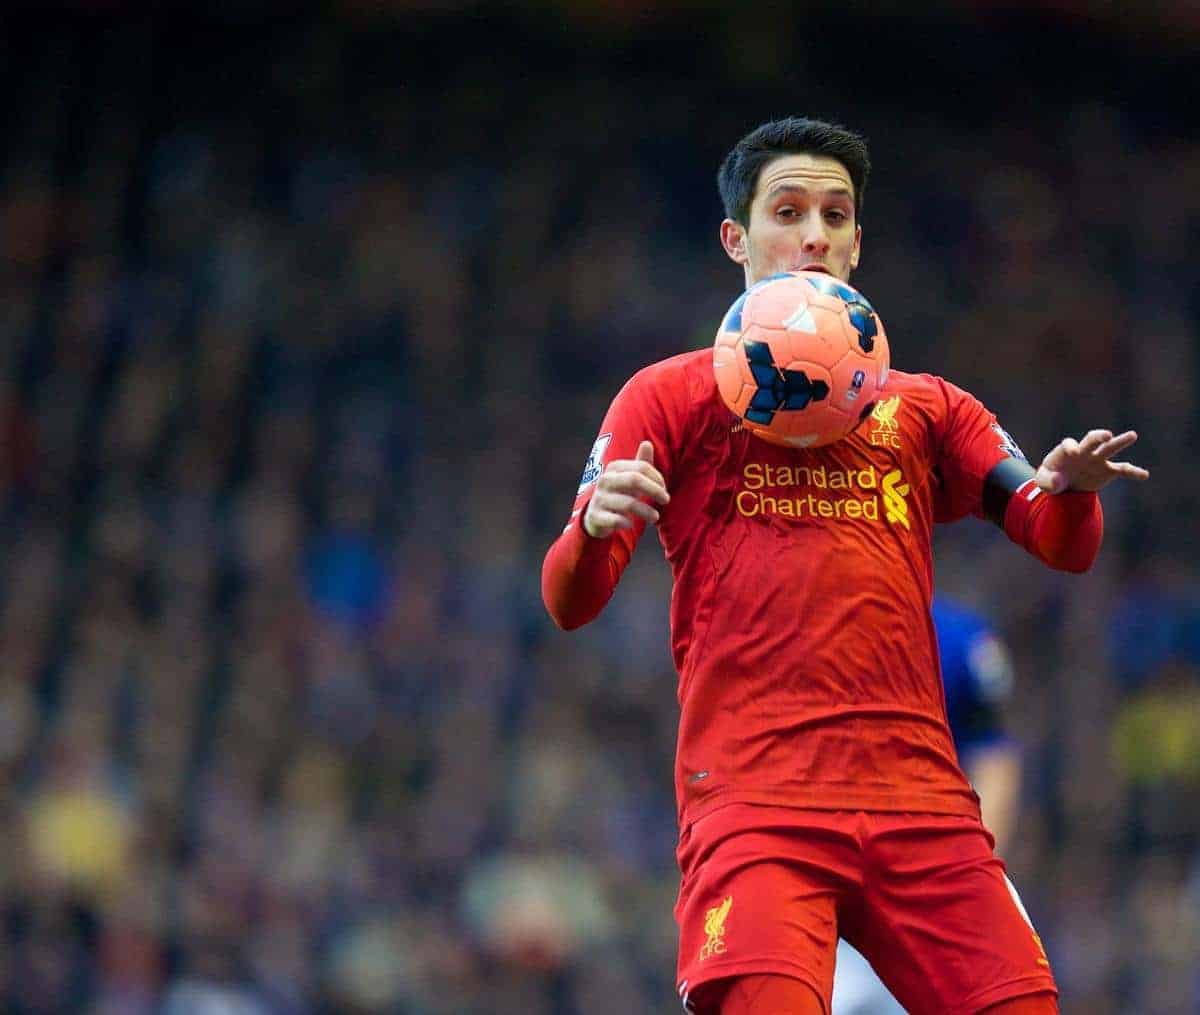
(1063,530)
(986,474)
(580,573)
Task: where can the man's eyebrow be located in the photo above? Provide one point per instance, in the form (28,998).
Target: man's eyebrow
(795,188)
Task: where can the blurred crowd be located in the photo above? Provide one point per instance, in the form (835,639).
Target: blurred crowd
(305,333)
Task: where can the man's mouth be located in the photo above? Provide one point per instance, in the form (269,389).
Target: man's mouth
(815,267)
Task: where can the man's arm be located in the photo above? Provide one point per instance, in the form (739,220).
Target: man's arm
(1054,512)
(623,488)
(585,563)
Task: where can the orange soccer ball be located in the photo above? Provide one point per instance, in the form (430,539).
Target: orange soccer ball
(800,358)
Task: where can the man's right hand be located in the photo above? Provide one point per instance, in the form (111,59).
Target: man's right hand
(627,489)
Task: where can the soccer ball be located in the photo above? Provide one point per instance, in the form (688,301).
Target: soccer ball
(800,357)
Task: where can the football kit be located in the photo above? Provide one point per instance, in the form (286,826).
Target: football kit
(802,636)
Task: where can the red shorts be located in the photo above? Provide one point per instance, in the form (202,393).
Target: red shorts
(770,890)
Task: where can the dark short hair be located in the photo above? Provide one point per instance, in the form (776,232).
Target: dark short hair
(795,135)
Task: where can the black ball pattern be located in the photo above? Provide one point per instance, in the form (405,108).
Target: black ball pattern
(778,388)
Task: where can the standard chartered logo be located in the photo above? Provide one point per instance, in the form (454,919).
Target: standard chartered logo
(821,492)
(894,504)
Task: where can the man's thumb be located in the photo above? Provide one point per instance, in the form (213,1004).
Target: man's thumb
(1051,480)
(645,452)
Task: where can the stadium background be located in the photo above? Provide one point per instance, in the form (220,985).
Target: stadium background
(307,325)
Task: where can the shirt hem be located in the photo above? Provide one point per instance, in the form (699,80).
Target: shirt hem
(896,803)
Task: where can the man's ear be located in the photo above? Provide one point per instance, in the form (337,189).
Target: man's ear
(733,239)
(854,254)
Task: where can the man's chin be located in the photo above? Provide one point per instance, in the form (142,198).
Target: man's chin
(823,269)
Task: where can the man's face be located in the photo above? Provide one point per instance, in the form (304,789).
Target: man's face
(802,217)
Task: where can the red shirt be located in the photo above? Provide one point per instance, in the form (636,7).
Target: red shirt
(800,617)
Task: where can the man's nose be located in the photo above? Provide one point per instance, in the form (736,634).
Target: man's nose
(815,237)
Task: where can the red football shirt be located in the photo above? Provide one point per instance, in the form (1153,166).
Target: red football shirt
(800,617)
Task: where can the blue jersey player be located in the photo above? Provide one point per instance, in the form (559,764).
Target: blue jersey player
(978,676)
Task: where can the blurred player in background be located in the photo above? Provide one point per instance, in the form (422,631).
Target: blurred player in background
(818,788)
(977,674)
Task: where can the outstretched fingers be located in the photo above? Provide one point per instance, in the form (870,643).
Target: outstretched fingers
(1094,440)
(1087,464)
(1129,470)
(1115,445)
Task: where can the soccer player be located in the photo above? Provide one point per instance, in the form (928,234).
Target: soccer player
(817,785)
(977,675)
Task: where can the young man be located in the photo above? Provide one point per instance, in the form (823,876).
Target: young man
(817,784)
(977,676)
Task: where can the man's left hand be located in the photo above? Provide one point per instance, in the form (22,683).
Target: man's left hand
(1087,464)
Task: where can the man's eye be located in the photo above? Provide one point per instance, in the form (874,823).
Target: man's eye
(786,213)
(836,215)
